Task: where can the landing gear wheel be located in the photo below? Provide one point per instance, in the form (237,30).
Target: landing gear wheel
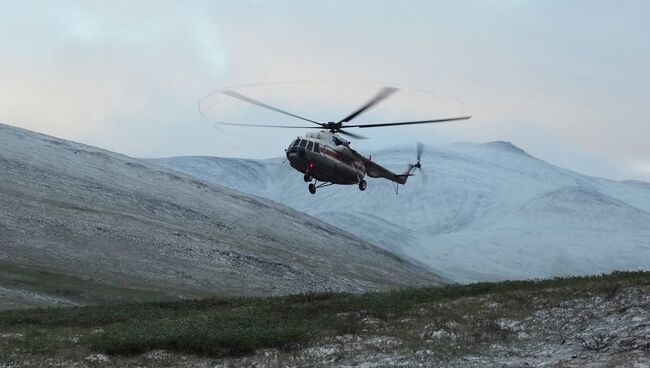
(312,188)
(362,185)
(307,178)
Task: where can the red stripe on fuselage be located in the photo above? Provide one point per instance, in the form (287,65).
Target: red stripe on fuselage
(335,155)
(332,154)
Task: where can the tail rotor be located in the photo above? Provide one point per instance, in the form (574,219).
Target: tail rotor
(418,165)
(419,150)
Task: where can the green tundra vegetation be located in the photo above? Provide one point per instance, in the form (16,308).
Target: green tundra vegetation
(231,327)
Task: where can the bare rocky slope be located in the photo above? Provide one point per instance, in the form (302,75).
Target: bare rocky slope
(95,217)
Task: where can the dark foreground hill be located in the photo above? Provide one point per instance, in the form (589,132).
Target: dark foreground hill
(81,225)
(568,322)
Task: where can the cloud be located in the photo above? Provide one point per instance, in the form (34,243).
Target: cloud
(128,75)
(80,71)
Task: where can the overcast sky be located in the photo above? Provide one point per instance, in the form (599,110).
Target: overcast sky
(567,81)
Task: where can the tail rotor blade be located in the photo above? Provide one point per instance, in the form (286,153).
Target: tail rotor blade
(424,176)
(420,149)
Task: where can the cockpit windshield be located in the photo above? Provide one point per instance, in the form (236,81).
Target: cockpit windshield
(303,143)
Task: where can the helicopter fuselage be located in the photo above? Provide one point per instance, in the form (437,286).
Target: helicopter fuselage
(326,157)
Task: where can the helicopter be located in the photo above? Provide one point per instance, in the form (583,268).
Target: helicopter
(326,157)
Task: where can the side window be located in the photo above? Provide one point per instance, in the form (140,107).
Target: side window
(310,145)
(316,147)
(303,143)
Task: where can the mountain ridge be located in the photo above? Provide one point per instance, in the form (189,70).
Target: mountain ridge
(470,212)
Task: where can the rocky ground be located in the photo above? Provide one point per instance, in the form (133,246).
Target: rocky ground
(586,332)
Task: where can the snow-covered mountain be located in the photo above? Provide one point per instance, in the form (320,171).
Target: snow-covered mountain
(85,211)
(482,212)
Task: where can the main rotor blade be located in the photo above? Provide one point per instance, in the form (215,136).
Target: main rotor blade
(385,92)
(351,134)
(241,97)
(266,125)
(407,122)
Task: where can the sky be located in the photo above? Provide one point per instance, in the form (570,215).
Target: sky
(567,81)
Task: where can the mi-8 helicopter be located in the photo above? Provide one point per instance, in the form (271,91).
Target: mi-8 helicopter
(327,158)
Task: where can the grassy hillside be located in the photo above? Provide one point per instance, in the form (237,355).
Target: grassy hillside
(452,321)
(24,286)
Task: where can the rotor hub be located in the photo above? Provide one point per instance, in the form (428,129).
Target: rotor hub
(332,126)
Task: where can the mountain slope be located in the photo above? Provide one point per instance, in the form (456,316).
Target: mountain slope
(91,213)
(484,211)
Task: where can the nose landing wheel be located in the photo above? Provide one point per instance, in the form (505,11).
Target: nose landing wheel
(362,185)
(312,188)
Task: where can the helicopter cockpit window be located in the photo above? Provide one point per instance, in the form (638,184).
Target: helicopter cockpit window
(303,143)
(316,147)
(310,145)
(293,147)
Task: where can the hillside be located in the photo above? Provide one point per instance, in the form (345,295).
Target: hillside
(484,211)
(79,224)
(600,321)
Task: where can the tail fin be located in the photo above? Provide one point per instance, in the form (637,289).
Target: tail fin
(401,179)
